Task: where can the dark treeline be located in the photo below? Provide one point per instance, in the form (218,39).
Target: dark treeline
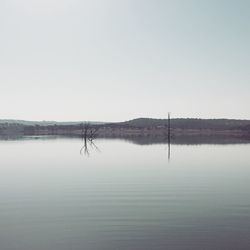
(191,123)
(141,126)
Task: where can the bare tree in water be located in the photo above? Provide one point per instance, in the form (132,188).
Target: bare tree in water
(88,133)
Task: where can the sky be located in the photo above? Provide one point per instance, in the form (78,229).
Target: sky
(115,60)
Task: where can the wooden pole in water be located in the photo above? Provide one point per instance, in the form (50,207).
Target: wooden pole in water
(169,127)
(169,136)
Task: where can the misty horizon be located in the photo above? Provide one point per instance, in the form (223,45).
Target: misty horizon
(108,121)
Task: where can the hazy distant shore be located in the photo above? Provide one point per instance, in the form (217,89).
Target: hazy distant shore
(126,132)
(142,127)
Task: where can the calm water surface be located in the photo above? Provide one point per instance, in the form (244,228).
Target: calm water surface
(126,197)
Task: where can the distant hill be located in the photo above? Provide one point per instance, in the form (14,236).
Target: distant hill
(190,123)
(176,123)
(44,123)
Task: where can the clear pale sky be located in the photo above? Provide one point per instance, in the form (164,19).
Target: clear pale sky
(114,60)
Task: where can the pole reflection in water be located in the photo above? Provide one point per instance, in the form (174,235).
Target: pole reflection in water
(169,151)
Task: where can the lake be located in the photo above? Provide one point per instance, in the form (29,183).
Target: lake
(56,194)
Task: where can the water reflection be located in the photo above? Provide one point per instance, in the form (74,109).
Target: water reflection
(124,199)
(145,140)
(185,140)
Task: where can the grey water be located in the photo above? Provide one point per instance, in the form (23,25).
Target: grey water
(120,195)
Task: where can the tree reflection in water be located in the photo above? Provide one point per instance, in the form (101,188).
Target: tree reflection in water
(88,144)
